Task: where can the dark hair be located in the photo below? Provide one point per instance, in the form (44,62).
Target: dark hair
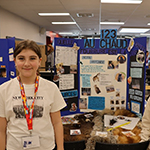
(50,50)
(27,44)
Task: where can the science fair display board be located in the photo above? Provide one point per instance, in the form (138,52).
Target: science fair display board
(7,65)
(111,72)
(66,55)
(136,75)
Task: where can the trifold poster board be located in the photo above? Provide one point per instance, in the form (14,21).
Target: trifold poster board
(101,73)
(7,65)
(113,77)
(136,75)
(110,72)
(66,55)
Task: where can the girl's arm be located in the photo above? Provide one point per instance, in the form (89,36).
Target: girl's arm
(3,124)
(58,129)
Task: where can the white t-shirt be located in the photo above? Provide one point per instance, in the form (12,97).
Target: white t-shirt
(48,99)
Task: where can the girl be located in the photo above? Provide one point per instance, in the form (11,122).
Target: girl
(30,105)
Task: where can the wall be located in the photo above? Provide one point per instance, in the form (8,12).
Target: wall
(15,26)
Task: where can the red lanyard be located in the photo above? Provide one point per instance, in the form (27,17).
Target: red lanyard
(28,111)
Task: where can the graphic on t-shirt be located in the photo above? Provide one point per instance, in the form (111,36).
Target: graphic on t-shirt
(19,111)
(18,108)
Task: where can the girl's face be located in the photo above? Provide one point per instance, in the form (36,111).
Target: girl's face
(27,63)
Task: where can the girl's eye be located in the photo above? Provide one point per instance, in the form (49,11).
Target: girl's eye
(33,58)
(21,58)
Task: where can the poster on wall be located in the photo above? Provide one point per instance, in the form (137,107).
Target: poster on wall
(66,54)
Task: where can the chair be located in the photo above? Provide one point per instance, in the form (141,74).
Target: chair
(134,146)
(74,145)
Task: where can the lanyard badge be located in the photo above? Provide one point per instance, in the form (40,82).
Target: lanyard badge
(28,111)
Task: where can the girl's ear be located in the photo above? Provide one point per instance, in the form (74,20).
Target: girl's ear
(15,62)
(40,60)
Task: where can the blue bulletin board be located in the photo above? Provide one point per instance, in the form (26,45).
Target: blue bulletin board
(6,59)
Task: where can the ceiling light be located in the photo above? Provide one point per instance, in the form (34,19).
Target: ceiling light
(145,34)
(148,24)
(133,30)
(53,14)
(122,1)
(66,33)
(63,22)
(85,15)
(114,23)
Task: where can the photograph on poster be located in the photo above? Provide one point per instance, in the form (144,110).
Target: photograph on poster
(120,76)
(122,102)
(140,57)
(86,91)
(113,65)
(73,69)
(117,102)
(83,103)
(112,108)
(110,88)
(129,80)
(121,59)
(97,89)
(135,84)
(73,107)
(96,77)
(60,69)
(117,94)
(112,102)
